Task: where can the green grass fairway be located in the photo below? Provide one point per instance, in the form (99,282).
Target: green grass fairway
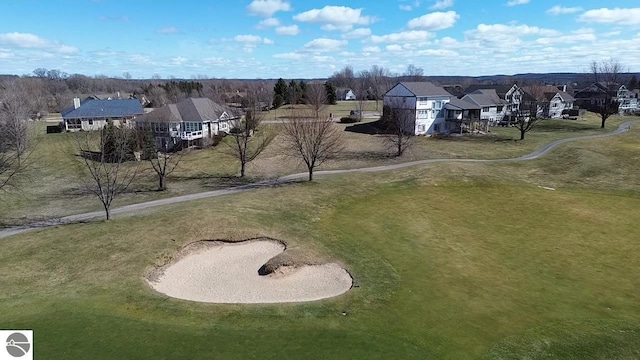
(450,261)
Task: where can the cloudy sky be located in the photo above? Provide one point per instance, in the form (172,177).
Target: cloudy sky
(312,38)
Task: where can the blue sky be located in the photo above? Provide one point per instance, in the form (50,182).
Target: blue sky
(295,38)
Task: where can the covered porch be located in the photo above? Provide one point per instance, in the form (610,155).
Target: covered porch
(463,116)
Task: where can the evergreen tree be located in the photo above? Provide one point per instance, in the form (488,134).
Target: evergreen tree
(293,92)
(302,97)
(332,97)
(280,93)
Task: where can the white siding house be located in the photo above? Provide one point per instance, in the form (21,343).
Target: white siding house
(558,103)
(492,108)
(627,101)
(424,101)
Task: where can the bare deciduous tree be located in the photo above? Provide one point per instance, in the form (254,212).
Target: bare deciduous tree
(314,139)
(531,110)
(607,74)
(16,140)
(398,123)
(106,173)
(413,73)
(248,138)
(316,97)
(163,159)
(379,82)
(164,163)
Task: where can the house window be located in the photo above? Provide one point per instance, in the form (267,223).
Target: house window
(485,109)
(436,127)
(500,108)
(437,105)
(90,121)
(421,128)
(423,114)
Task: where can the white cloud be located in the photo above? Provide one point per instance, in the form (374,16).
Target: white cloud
(394,48)
(561,10)
(517,2)
(405,7)
(439,52)
(335,17)
(442,4)
(289,56)
(252,40)
(371,49)
(268,22)
(34,42)
(179,60)
(568,39)
(325,45)
(501,33)
(357,33)
(288,30)
(612,16)
(168,30)
(266,8)
(405,37)
(434,21)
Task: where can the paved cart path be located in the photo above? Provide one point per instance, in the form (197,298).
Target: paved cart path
(299,176)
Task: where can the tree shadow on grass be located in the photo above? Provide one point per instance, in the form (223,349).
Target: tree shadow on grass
(370,128)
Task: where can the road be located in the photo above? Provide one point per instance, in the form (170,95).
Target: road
(293,177)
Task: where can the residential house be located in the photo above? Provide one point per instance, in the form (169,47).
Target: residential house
(592,97)
(492,107)
(512,95)
(345,94)
(560,102)
(627,101)
(427,107)
(93,114)
(191,121)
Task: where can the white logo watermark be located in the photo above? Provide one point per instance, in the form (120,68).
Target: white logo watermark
(16,345)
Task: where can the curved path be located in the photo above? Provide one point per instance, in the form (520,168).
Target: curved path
(183,198)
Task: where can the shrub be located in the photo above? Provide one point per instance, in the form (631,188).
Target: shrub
(349,120)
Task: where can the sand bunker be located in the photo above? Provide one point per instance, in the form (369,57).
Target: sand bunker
(228,273)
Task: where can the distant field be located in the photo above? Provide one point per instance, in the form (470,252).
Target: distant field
(451,261)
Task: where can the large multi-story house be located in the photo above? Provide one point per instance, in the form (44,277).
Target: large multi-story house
(93,114)
(191,121)
(430,109)
(627,101)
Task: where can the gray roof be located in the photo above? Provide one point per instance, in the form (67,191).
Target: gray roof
(104,109)
(563,95)
(191,109)
(461,104)
(485,97)
(425,88)
(501,90)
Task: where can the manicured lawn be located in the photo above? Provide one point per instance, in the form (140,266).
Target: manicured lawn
(451,261)
(342,108)
(53,188)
